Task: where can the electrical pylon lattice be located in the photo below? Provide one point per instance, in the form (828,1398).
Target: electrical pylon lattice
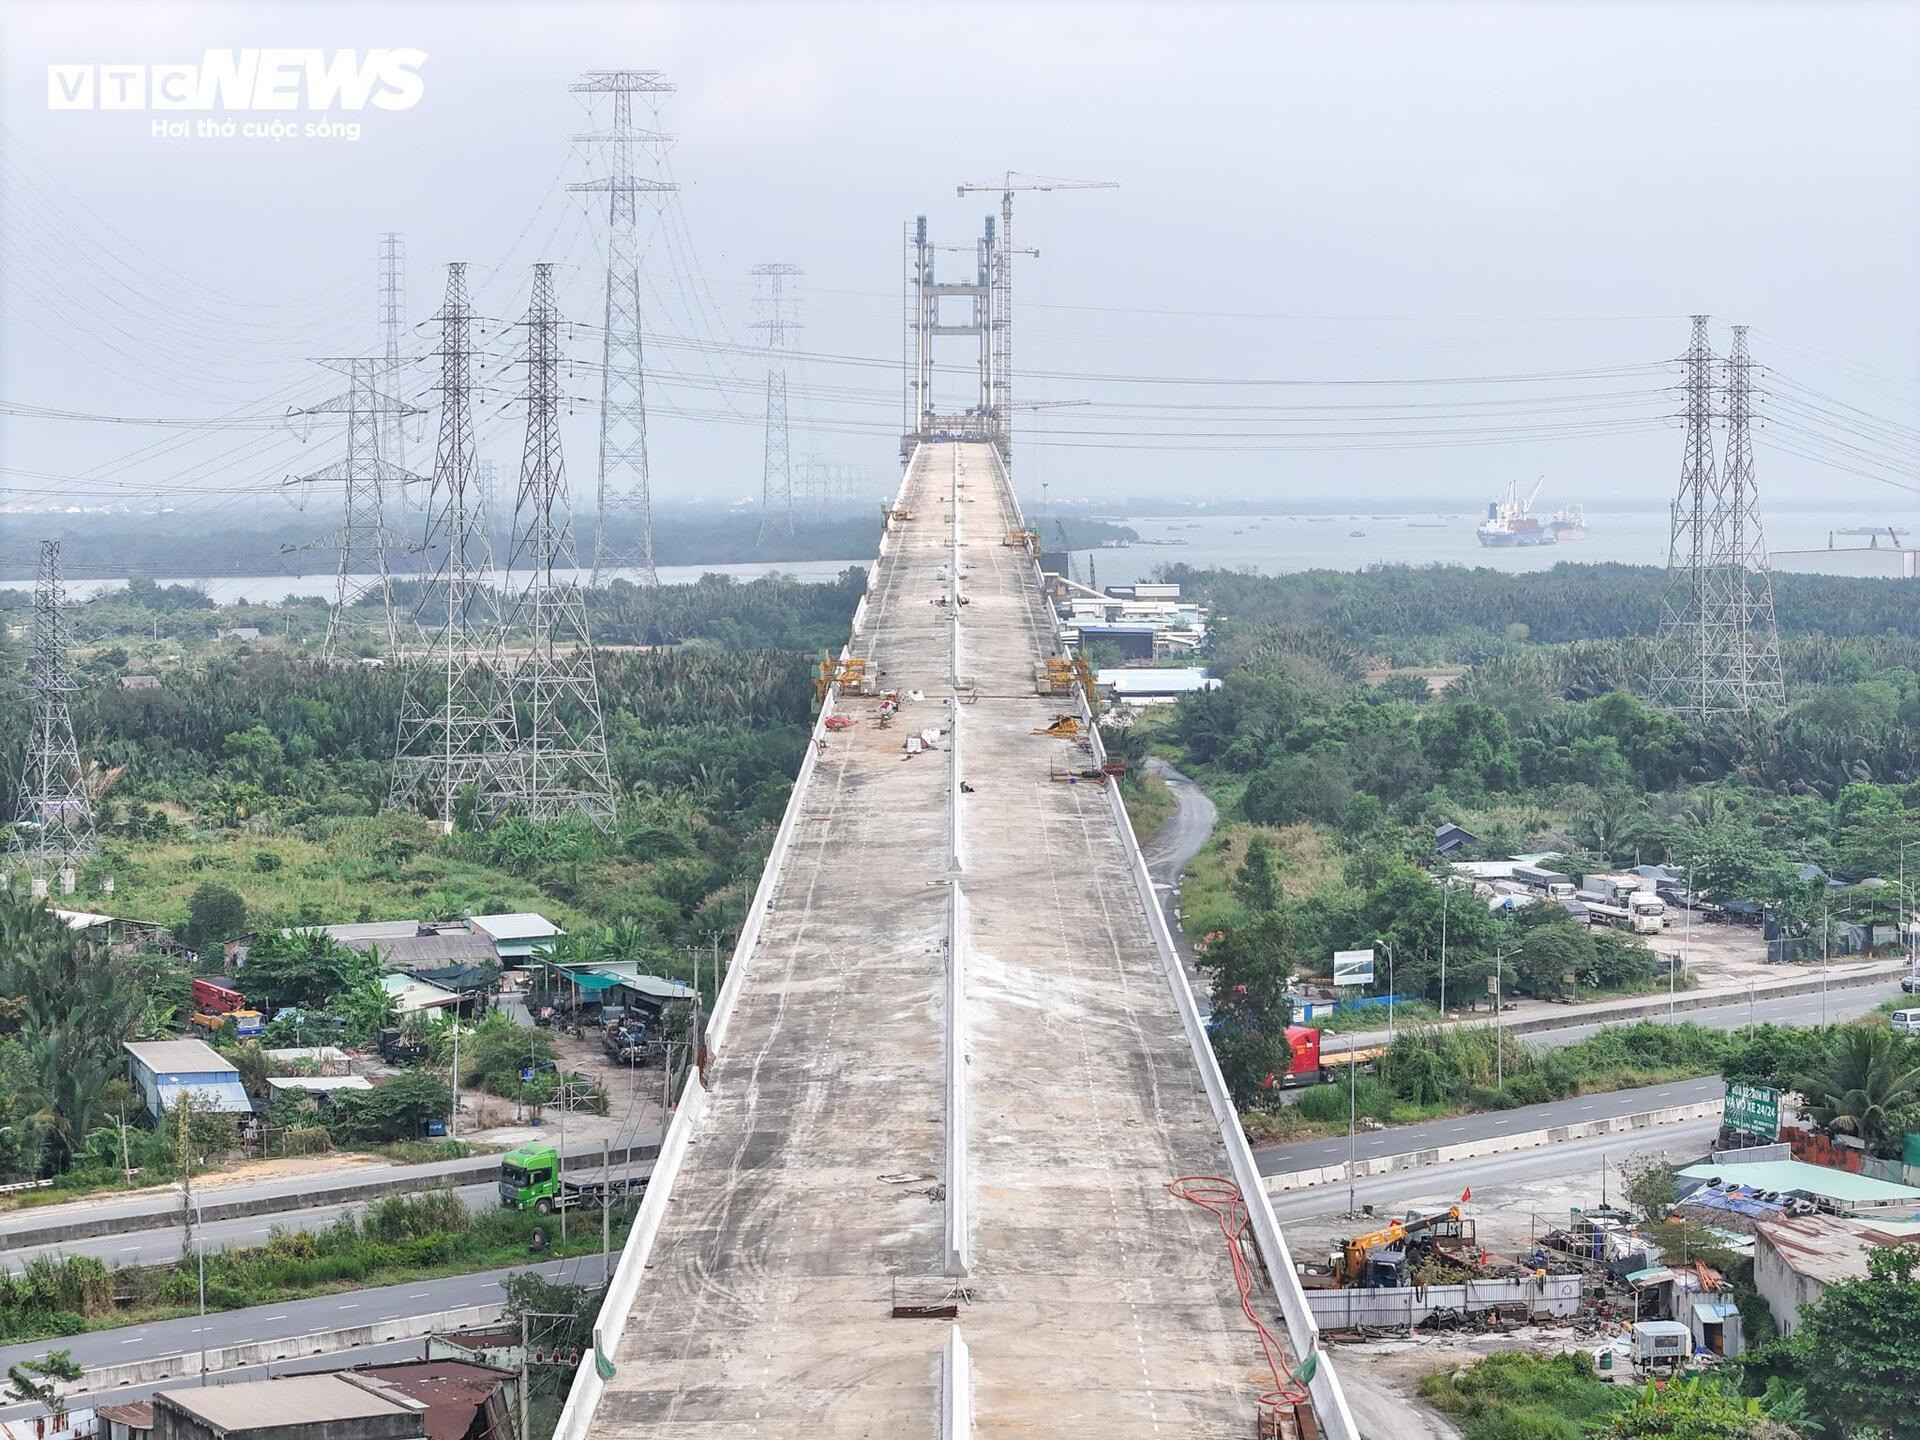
(363,608)
(456,717)
(776,474)
(559,764)
(624,494)
(393,319)
(53,818)
(1717,649)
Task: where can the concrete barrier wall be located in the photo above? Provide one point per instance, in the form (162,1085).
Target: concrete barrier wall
(956,1388)
(1491,1145)
(611,1322)
(1408,1305)
(292,1347)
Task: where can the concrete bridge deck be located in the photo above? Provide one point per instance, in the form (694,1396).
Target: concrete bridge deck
(815,1193)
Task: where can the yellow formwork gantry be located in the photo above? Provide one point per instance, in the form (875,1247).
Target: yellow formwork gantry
(1063,674)
(848,672)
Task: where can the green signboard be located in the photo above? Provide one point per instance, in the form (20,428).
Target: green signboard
(1752,1110)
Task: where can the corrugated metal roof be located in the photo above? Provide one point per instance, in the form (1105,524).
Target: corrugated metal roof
(288,1400)
(1831,1248)
(1796,1177)
(228,1097)
(521,925)
(450,1389)
(180,1057)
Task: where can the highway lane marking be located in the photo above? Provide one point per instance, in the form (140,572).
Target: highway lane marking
(354,1306)
(125,1248)
(281,1316)
(421,1295)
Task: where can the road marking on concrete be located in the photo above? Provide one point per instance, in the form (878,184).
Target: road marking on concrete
(133,1340)
(421,1295)
(354,1306)
(125,1248)
(281,1316)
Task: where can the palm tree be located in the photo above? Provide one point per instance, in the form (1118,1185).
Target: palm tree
(1871,1075)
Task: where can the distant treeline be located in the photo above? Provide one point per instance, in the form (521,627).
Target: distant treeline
(1569,602)
(196,547)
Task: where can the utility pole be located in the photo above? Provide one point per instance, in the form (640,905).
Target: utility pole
(453,1110)
(1717,648)
(367,478)
(625,489)
(776,473)
(525,1344)
(456,728)
(53,817)
(606,1211)
(559,766)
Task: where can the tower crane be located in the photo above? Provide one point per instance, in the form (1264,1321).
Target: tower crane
(1000,317)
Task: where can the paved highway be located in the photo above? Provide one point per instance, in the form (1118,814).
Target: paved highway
(292,1317)
(160,1207)
(160,1246)
(1388,1192)
(1169,850)
(1401,1139)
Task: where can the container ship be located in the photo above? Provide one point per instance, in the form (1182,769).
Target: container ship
(1569,522)
(1510,520)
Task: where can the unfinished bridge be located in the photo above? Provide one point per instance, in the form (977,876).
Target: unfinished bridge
(924,1185)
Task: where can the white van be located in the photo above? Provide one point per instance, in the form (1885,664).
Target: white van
(1906,1022)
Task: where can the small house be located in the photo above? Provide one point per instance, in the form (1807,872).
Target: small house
(163,1070)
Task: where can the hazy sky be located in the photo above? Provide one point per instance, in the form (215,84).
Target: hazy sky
(1307,193)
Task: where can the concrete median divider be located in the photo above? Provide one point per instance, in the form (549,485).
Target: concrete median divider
(1491,1145)
(185,1366)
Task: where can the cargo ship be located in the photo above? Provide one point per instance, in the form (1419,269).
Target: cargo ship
(1510,520)
(1569,522)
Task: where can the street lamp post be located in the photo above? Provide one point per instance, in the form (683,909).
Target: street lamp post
(1390,989)
(198,1240)
(1446,890)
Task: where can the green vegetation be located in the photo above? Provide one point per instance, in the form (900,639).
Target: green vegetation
(1433,1071)
(395,1239)
(1529,1397)
(1845,1373)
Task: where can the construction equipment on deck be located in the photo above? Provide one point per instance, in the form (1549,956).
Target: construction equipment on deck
(1027,540)
(1064,727)
(848,672)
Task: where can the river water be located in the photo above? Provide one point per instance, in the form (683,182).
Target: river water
(1278,544)
(1272,544)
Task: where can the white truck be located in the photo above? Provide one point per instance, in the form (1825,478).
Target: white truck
(1550,883)
(1646,912)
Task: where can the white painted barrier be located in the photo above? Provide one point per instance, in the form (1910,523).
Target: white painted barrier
(611,1322)
(959,1213)
(1490,1145)
(1407,1305)
(956,1388)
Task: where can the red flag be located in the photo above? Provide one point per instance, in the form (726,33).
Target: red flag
(1466,1195)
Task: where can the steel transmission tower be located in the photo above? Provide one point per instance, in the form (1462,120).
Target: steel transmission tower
(1717,650)
(624,496)
(776,475)
(559,765)
(53,824)
(456,718)
(367,479)
(393,319)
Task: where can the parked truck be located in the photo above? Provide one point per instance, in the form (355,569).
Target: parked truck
(242,1023)
(531,1179)
(1550,883)
(217,995)
(1642,911)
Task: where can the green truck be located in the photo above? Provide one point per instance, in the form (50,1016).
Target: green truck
(531,1179)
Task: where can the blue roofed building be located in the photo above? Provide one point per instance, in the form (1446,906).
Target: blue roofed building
(163,1070)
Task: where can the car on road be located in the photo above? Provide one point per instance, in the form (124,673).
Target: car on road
(1910,983)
